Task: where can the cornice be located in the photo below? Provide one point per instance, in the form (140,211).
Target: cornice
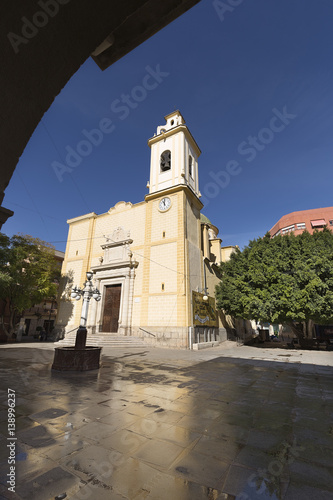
(175,130)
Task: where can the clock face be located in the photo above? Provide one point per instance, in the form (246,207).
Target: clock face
(164,204)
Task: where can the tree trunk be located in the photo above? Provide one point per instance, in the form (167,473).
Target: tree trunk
(10,331)
(308,329)
(11,321)
(3,325)
(297,329)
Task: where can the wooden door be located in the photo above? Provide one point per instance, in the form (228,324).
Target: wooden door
(111,308)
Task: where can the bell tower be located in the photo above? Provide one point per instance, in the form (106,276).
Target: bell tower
(174,156)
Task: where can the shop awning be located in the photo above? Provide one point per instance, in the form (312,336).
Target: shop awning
(318,223)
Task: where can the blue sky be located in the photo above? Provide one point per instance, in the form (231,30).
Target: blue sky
(254,85)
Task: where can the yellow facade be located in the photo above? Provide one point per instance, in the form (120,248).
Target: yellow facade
(152,251)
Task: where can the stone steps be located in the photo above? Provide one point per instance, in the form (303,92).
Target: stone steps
(103,340)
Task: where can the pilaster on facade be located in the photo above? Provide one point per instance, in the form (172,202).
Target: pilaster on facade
(146,265)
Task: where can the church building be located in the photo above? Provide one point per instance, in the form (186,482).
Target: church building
(154,262)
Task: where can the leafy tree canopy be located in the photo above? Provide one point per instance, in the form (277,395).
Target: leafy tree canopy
(28,272)
(284,279)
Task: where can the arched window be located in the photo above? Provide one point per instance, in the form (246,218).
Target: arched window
(190,160)
(165,161)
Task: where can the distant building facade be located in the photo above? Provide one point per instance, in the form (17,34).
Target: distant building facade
(304,220)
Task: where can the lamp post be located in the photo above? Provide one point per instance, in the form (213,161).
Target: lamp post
(80,357)
(86,293)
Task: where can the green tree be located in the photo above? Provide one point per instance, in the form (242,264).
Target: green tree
(29,274)
(286,279)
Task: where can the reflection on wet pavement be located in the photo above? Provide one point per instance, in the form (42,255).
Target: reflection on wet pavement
(153,426)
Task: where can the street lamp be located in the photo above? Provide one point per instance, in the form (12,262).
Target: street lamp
(87,292)
(80,357)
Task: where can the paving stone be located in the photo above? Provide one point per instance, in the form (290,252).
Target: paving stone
(311,475)
(264,440)
(247,485)
(22,423)
(158,454)
(252,457)
(97,490)
(168,416)
(5,494)
(117,404)
(175,434)
(33,406)
(65,446)
(94,462)
(166,487)
(147,427)
(140,409)
(315,454)
(124,441)
(239,481)
(317,436)
(96,431)
(48,414)
(200,413)
(213,404)
(36,436)
(133,477)
(48,485)
(222,449)
(30,464)
(234,417)
(195,424)
(119,420)
(221,429)
(71,421)
(201,469)
(301,492)
(96,412)
(154,401)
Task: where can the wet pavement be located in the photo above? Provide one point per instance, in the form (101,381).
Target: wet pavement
(222,423)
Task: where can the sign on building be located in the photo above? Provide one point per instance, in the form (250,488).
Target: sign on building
(204,312)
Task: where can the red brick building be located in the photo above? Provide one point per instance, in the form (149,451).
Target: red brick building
(308,220)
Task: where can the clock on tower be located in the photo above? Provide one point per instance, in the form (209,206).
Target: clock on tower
(164,204)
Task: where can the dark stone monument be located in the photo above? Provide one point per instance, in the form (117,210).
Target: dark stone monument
(79,357)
